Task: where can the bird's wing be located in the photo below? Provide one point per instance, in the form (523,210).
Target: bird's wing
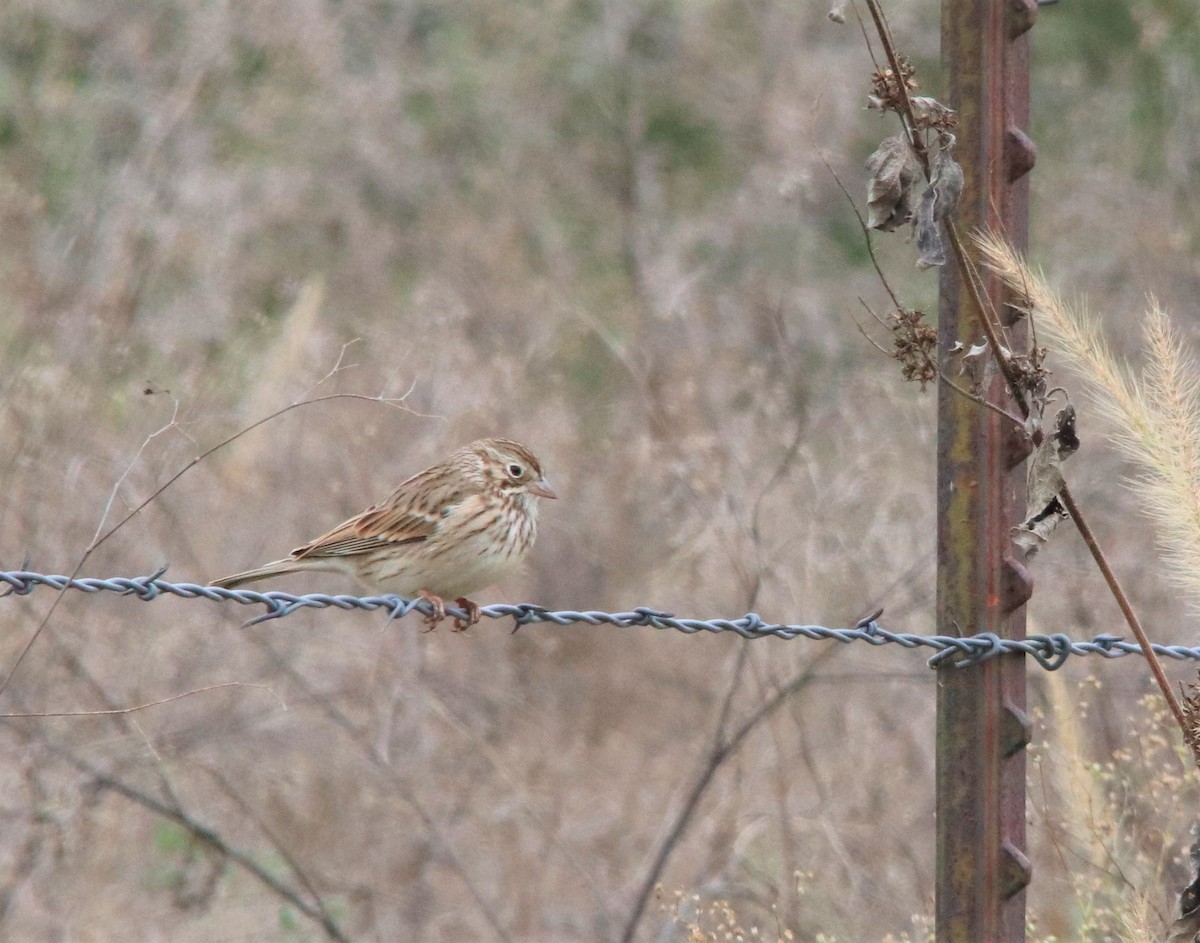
(411,514)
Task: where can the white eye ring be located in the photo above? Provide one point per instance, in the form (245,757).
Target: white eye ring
(515,470)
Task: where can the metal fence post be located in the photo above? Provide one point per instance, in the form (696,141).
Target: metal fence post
(982,729)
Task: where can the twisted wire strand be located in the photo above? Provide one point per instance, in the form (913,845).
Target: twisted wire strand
(1049,651)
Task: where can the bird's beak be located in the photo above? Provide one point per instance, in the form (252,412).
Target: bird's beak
(542,489)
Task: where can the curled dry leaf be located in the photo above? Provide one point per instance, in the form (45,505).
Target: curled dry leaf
(930,251)
(1044,483)
(894,171)
(1065,433)
(937,202)
(931,113)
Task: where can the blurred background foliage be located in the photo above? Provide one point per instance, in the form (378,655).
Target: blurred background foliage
(604,227)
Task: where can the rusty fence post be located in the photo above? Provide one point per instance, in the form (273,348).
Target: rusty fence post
(982,728)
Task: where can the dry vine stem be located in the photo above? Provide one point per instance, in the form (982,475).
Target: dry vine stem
(970,276)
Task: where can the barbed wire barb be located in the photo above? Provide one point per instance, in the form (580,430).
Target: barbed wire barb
(1049,651)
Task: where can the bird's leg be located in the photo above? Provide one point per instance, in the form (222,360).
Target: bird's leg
(473,614)
(439,609)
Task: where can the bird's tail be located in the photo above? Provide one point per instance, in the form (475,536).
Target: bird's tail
(267,570)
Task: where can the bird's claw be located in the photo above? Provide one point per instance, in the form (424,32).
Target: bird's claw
(473,614)
(439,609)
(439,612)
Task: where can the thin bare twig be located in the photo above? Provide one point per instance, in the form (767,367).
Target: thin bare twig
(909,118)
(866,38)
(1126,608)
(146,706)
(975,398)
(862,224)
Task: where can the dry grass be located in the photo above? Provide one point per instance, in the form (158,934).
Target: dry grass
(1111,862)
(1155,413)
(602,229)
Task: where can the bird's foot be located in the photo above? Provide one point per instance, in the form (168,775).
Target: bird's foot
(473,614)
(439,610)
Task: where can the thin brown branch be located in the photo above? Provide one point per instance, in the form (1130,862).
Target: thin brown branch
(148,704)
(1011,376)
(969,275)
(870,340)
(229,441)
(1131,619)
(866,38)
(910,120)
(862,223)
(976,398)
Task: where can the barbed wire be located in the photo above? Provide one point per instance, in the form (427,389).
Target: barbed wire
(1049,651)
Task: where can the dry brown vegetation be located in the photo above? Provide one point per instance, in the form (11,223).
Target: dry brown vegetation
(606,230)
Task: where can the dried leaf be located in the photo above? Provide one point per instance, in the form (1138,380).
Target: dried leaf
(937,202)
(1065,432)
(1044,482)
(929,240)
(1032,533)
(1045,479)
(931,113)
(837,11)
(894,170)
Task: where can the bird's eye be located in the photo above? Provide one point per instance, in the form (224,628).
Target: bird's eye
(515,470)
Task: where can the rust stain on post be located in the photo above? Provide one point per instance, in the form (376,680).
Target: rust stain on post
(982,869)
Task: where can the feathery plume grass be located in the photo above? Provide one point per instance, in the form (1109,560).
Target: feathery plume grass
(1156,415)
